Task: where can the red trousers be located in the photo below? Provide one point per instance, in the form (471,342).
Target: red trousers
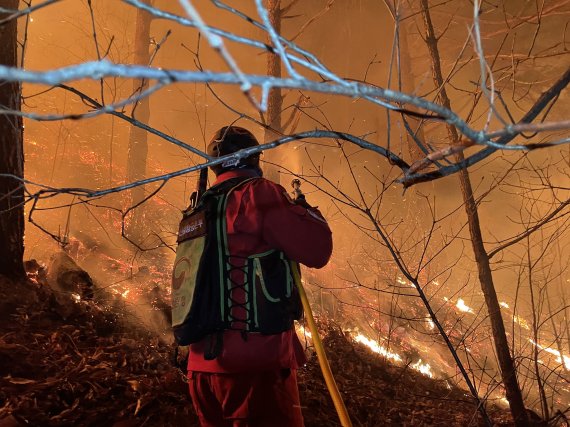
(258,399)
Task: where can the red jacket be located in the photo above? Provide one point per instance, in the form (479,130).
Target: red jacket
(261,216)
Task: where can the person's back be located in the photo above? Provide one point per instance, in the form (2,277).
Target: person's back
(246,375)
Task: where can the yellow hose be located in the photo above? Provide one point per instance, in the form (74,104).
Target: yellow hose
(321,355)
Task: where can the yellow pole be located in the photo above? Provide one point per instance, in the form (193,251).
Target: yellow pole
(321,355)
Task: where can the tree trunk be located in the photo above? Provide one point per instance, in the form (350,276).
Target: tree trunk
(138,146)
(407,84)
(506,363)
(275,101)
(535,331)
(11,156)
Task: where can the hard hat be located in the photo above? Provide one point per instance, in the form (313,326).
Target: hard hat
(228,140)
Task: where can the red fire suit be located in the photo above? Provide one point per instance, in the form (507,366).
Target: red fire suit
(252,382)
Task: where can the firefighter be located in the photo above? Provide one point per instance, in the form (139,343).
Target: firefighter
(246,375)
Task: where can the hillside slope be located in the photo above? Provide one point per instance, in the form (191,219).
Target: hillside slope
(65,363)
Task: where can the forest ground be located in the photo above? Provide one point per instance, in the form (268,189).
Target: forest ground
(69,363)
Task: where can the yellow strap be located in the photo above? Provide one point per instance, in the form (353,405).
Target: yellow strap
(321,355)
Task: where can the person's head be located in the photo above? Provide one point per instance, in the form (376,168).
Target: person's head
(228,140)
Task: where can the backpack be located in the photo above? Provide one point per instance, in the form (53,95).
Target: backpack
(201,283)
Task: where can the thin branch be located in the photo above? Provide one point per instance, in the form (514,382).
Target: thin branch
(531,230)
(218,45)
(27,11)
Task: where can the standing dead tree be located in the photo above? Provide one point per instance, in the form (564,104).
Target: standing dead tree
(508,370)
(275,98)
(138,144)
(11,153)
(538,254)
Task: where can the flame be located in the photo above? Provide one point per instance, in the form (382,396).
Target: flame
(401,281)
(504,304)
(554,353)
(463,307)
(373,345)
(377,348)
(521,322)
(424,368)
(301,330)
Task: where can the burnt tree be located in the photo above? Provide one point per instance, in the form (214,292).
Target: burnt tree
(138,144)
(506,362)
(275,101)
(11,154)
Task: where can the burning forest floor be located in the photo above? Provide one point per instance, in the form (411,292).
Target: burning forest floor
(69,363)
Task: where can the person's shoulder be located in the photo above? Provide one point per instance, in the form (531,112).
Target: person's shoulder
(264,183)
(268,188)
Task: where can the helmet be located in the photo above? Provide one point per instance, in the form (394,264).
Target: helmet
(230,139)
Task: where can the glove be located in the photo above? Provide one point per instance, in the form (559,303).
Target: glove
(301,201)
(180,358)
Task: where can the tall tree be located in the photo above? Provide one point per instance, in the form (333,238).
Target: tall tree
(138,145)
(407,83)
(506,362)
(275,101)
(11,154)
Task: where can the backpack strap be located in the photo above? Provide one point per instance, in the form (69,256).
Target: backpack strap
(225,267)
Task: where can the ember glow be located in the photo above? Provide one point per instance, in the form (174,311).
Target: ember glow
(123,293)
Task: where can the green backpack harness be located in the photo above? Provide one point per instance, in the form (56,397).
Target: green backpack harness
(202,300)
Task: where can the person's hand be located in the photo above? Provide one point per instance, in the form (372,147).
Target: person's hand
(181,354)
(301,201)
